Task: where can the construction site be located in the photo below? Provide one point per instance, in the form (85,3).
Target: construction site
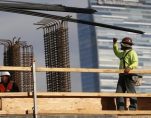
(58,101)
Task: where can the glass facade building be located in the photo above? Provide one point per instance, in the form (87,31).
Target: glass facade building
(88,55)
(134,14)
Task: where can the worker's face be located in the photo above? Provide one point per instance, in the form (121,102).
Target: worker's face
(5,78)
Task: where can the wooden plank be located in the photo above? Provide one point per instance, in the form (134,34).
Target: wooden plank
(15,94)
(105,112)
(75,94)
(95,95)
(12,68)
(22,105)
(43,69)
(16,105)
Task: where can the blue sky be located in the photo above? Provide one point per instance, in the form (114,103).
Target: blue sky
(17,25)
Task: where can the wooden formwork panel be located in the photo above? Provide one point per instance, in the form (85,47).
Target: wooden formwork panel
(51,105)
(70,103)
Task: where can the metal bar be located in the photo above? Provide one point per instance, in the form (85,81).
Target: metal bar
(69,19)
(45,7)
(35,110)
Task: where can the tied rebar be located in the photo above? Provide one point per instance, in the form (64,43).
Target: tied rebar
(56,54)
(18,53)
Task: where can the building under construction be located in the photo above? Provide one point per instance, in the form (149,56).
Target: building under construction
(19,53)
(72,104)
(56,54)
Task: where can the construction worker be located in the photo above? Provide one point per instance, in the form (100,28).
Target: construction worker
(6,84)
(128,61)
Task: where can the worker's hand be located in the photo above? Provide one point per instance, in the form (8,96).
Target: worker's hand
(114,40)
(127,70)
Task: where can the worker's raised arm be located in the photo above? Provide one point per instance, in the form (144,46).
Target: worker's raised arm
(116,50)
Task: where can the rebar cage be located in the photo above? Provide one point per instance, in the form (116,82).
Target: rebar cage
(56,54)
(18,53)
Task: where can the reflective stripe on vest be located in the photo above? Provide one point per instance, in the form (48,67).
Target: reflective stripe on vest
(7,89)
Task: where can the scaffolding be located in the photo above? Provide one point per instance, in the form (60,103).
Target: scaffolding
(18,53)
(72,103)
